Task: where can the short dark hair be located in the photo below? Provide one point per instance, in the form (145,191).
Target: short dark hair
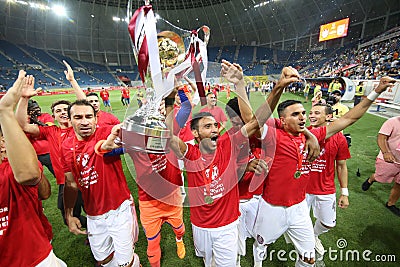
(328,108)
(232,108)
(282,106)
(210,93)
(80,102)
(32,104)
(92,94)
(194,123)
(59,102)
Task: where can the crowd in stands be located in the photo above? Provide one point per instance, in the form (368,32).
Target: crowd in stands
(372,62)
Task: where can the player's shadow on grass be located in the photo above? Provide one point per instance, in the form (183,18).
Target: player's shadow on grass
(385,236)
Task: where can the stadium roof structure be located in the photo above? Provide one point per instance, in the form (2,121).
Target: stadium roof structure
(99,26)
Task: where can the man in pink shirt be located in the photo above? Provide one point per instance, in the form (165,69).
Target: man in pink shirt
(387,165)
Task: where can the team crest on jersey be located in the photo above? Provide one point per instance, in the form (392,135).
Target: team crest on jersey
(83,159)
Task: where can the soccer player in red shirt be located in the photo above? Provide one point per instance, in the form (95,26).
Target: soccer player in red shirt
(105,96)
(283,203)
(111,217)
(23,240)
(217,112)
(103,118)
(212,175)
(321,190)
(55,135)
(125,94)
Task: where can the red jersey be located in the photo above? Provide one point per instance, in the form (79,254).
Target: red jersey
(125,93)
(220,173)
(100,179)
(41,146)
(23,241)
(281,188)
(104,95)
(185,133)
(217,113)
(255,152)
(48,229)
(56,136)
(157,175)
(106,119)
(322,176)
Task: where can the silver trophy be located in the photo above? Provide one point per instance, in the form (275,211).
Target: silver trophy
(146,130)
(160,56)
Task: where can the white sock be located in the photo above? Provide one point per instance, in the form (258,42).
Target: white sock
(319,228)
(259,252)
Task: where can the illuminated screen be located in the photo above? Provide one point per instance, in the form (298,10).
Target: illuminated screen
(333,30)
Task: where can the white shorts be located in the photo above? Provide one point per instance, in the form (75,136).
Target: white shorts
(51,261)
(218,243)
(248,212)
(115,231)
(272,221)
(324,208)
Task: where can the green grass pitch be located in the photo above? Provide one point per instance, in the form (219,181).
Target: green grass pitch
(365,225)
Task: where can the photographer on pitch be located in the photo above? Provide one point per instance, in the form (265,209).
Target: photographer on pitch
(41,146)
(334,99)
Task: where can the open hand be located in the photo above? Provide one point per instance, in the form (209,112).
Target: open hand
(28,88)
(9,100)
(232,72)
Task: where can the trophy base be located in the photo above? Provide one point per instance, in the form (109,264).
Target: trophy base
(153,144)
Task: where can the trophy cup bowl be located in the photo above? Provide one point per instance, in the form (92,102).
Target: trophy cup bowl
(145,134)
(171,49)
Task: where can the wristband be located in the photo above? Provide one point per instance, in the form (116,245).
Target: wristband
(345,191)
(373,95)
(169,101)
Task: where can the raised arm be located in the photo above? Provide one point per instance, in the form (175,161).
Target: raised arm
(176,144)
(69,75)
(235,75)
(358,111)
(244,104)
(25,168)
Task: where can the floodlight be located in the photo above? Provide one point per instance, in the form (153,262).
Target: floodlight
(22,2)
(59,10)
(116,19)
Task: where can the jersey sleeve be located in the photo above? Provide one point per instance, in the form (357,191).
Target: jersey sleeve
(67,156)
(387,127)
